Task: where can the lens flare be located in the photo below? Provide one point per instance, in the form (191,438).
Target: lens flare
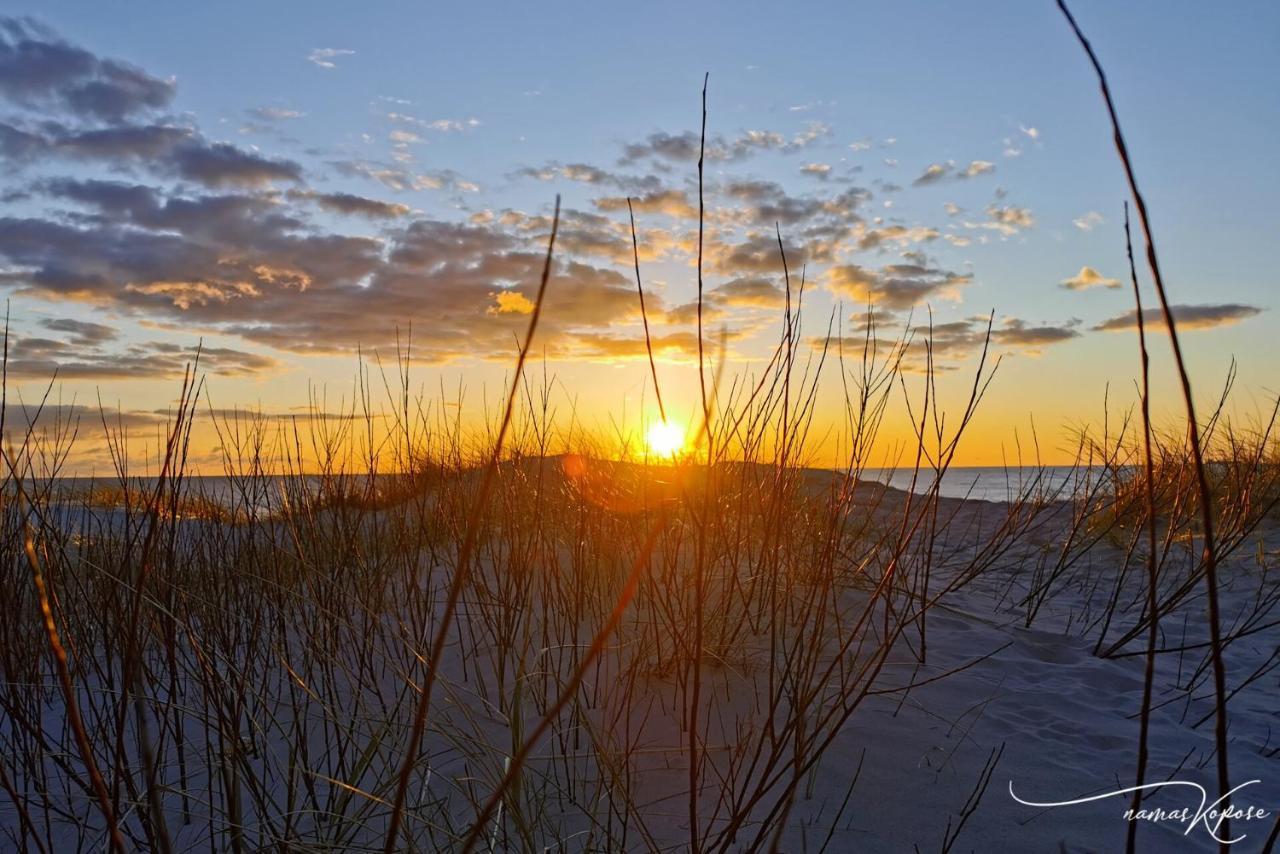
(665,439)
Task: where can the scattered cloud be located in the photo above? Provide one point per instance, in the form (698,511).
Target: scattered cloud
(221,164)
(348,203)
(194,232)
(275,114)
(937,173)
(673,203)
(895,236)
(748,292)
(759,254)
(250,265)
(76,358)
(585,173)
(1032,338)
(895,286)
(82,332)
(962,337)
(976,168)
(401,178)
(805,108)
(953,340)
(1204,316)
(40,70)
(592,345)
(453,125)
(1006,220)
(164,150)
(684,147)
(325,56)
(1088,221)
(103,111)
(1088,278)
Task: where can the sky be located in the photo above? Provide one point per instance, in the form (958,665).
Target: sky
(297,185)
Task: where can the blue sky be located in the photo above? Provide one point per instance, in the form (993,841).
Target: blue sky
(483,98)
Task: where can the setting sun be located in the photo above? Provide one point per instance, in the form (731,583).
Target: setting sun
(665,439)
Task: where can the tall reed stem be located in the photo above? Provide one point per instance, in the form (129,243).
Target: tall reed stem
(1193,429)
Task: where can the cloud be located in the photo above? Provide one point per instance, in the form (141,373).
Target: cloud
(932,174)
(453,125)
(1007,220)
(1088,221)
(1204,316)
(511,302)
(403,179)
(681,148)
(759,254)
(684,147)
(347,203)
(275,114)
(895,286)
(768,203)
(954,340)
(78,359)
(405,119)
(88,417)
(673,203)
(178,255)
(899,235)
(582,234)
(962,337)
(748,292)
(585,173)
(976,168)
(221,164)
(1088,278)
(164,150)
(616,347)
(82,332)
(441,125)
(195,233)
(230,218)
(937,173)
(250,264)
(324,56)
(40,70)
(1033,339)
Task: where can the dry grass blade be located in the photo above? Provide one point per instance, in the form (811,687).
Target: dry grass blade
(644,315)
(702,153)
(1149,479)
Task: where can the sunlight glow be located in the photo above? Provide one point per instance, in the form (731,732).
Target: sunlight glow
(665,439)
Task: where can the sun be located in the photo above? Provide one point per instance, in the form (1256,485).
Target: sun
(665,439)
